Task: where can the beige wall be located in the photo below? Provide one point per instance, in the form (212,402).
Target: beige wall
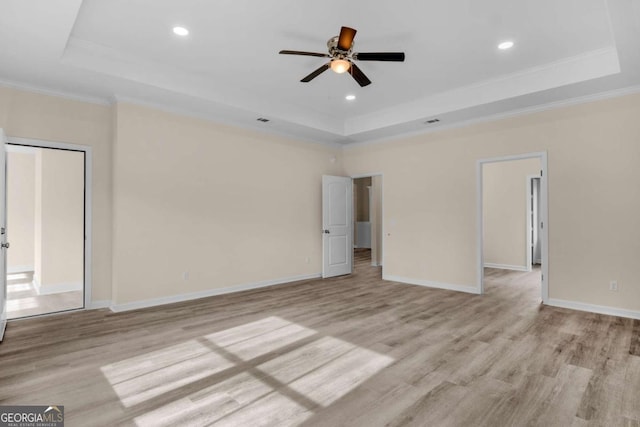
(504,192)
(60,220)
(30,115)
(232,206)
(20,210)
(594,226)
(228,206)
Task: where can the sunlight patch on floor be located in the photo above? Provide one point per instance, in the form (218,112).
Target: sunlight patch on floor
(268,341)
(330,382)
(21,304)
(19,287)
(282,390)
(144,377)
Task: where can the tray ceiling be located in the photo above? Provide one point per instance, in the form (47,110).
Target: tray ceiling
(228,68)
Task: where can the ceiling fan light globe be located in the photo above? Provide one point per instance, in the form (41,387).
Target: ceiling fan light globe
(340,66)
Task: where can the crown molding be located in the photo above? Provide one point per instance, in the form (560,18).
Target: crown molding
(615,93)
(226,122)
(57,93)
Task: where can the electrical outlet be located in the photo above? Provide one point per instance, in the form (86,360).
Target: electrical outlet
(613,286)
(307,260)
(185,275)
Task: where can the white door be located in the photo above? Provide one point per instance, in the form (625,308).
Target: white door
(3,235)
(337,225)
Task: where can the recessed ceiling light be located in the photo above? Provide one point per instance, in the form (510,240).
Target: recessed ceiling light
(505,45)
(350,97)
(180,31)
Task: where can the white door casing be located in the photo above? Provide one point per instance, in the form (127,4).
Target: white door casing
(543,216)
(536,257)
(337,226)
(3,235)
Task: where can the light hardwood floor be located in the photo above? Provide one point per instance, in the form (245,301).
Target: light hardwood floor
(353,351)
(23,299)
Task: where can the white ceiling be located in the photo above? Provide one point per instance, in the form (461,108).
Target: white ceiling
(228,68)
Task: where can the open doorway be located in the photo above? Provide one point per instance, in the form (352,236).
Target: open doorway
(512,237)
(46,227)
(367,220)
(534,223)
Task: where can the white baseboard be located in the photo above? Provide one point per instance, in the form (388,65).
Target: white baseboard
(600,309)
(429,284)
(95,305)
(16,269)
(208,293)
(506,266)
(56,288)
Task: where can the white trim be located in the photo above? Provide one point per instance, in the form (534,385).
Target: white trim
(592,308)
(57,288)
(343,144)
(60,94)
(530,261)
(550,106)
(41,143)
(507,267)
(96,305)
(20,149)
(429,284)
(544,218)
(17,269)
(208,293)
(243,124)
(365,175)
(88,200)
(528,222)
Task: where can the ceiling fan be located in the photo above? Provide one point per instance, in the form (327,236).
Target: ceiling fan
(342,57)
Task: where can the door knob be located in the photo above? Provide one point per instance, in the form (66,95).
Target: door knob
(4,245)
(326,231)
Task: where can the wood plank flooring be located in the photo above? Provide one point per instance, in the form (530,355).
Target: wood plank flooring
(347,351)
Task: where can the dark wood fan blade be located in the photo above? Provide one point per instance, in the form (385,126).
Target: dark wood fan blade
(346,38)
(316,73)
(379,56)
(299,52)
(358,75)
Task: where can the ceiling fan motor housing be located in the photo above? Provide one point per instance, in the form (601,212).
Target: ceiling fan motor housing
(335,51)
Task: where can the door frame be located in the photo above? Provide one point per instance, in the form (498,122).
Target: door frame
(544,217)
(88,197)
(530,180)
(381,243)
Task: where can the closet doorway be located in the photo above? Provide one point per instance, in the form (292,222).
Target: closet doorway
(367,219)
(46,225)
